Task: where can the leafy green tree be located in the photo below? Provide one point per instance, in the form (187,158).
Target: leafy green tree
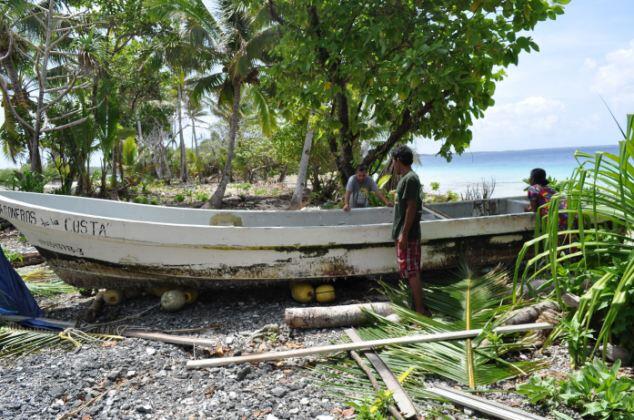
(393,70)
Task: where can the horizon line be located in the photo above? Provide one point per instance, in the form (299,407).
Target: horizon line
(522,150)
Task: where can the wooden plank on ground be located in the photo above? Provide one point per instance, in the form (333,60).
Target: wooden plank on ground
(368,371)
(333,348)
(491,408)
(403,401)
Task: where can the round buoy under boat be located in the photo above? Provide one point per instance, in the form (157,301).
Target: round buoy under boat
(302,292)
(325,293)
(173,300)
(191,295)
(112,297)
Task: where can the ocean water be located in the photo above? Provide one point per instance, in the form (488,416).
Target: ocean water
(507,168)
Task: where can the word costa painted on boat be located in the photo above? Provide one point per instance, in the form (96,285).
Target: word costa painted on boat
(89,227)
(17,213)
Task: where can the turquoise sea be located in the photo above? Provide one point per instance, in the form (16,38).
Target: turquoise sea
(507,168)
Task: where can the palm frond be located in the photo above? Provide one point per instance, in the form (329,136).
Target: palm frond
(262,42)
(194,9)
(469,302)
(206,84)
(265,113)
(49,288)
(17,341)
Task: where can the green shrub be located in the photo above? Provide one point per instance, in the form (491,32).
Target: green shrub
(244,186)
(179,198)
(6,177)
(13,256)
(595,391)
(140,199)
(26,180)
(202,196)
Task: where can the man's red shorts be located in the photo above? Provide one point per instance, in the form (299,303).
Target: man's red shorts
(409,258)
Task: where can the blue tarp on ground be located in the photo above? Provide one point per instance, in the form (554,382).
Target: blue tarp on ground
(15,297)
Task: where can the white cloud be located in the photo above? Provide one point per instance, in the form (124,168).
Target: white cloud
(533,113)
(614,78)
(590,64)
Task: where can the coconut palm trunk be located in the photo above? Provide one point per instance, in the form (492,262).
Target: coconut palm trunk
(216,199)
(296,200)
(194,137)
(181,136)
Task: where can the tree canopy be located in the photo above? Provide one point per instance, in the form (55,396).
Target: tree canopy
(79,78)
(388,71)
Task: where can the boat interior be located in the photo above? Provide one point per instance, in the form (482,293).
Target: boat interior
(257,218)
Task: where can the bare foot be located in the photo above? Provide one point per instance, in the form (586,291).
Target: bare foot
(423,310)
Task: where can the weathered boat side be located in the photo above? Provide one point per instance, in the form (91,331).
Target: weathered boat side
(93,250)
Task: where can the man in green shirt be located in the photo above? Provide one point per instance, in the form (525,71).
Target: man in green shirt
(406,228)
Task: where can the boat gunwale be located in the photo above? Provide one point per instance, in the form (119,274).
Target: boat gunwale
(255,228)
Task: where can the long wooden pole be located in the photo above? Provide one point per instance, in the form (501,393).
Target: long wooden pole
(412,339)
(401,398)
(491,408)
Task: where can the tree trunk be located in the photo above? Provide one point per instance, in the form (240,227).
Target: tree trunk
(314,179)
(104,175)
(216,200)
(113,165)
(296,200)
(41,68)
(195,139)
(282,176)
(334,316)
(180,134)
(120,161)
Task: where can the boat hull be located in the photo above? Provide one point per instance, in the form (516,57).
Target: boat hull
(97,251)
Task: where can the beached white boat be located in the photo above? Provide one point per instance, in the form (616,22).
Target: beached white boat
(102,243)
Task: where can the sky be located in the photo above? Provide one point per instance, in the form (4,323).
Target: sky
(552,98)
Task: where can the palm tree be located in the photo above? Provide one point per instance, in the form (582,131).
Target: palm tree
(241,45)
(195,113)
(178,55)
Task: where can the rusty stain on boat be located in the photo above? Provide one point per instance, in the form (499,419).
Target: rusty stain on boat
(225,219)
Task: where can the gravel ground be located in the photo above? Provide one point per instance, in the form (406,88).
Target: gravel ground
(137,378)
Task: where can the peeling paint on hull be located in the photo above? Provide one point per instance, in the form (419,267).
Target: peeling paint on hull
(436,255)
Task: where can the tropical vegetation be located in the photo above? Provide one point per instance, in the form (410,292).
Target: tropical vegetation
(104,96)
(593,256)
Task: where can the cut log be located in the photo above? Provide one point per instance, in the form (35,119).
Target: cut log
(95,308)
(404,403)
(333,348)
(530,313)
(334,316)
(570,300)
(491,408)
(28,258)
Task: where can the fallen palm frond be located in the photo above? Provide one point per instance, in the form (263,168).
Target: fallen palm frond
(18,341)
(43,282)
(470,303)
(592,257)
(47,289)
